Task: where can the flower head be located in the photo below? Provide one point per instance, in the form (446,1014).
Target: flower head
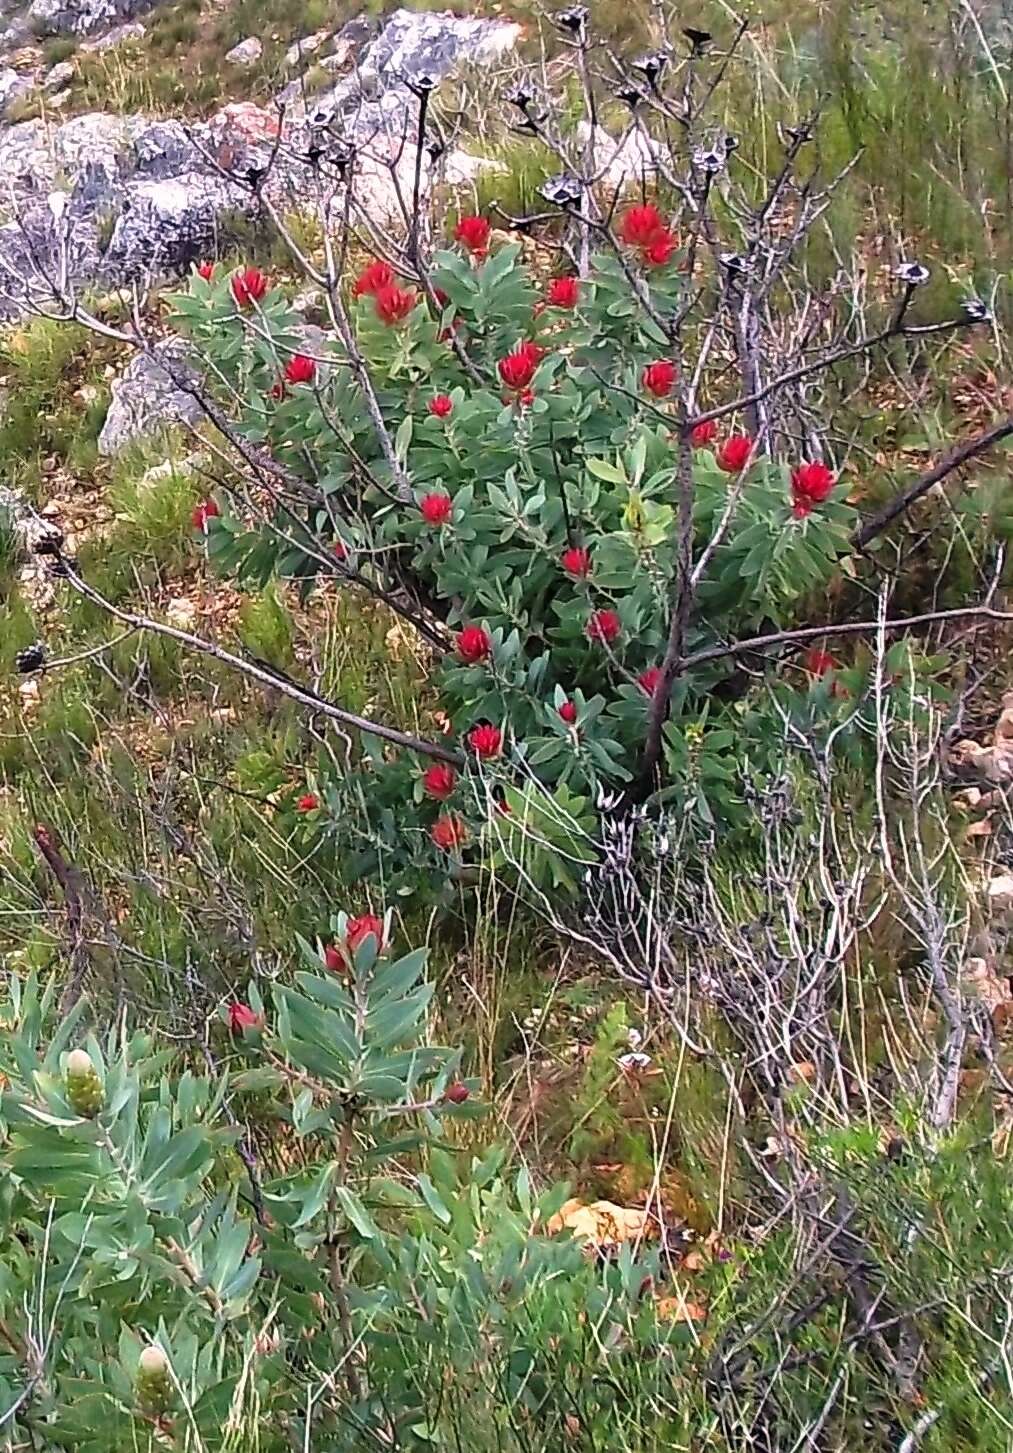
(811,484)
(300,369)
(658,378)
(704,434)
(576,562)
(448,832)
(248,286)
(242,1017)
(206,270)
(457,1093)
(603,626)
(473,644)
(658,252)
(439,781)
(568,712)
(734,453)
(335,960)
(818,662)
(650,680)
(563,292)
(436,509)
(639,226)
(441,406)
(486,741)
(206,510)
(309,802)
(373,278)
(473,233)
(339,550)
(393,304)
(517,369)
(359,929)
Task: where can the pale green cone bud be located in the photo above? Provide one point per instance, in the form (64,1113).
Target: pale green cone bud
(153,1385)
(84,1088)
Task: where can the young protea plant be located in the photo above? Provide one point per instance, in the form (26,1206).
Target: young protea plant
(82,1084)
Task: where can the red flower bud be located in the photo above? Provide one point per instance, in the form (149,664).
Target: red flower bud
(735,453)
(639,226)
(439,781)
(563,292)
(248,286)
(394,304)
(242,1017)
(373,279)
(818,662)
(335,960)
(441,406)
(206,270)
(576,562)
(473,233)
(811,484)
(568,712)
(309,802)
(359,929)
(473,644)
(436,509)
(457,1093)
(339,550)
(208,510)
(486,741)
(659,377)
(448,833)
(704,434)
(517,369)
(650,680)
(658,252)
(300,369)
(603,626)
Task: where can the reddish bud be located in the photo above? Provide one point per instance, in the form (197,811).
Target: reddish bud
(576,562)
(359,929)
(473,233)
(811,484)
(206,270)
(439,781)
(242,1017)
(563,292)
(373,279)
(335,960)
(640,226)
(448,833)
(486,741)
(568,712)
(207,510)
(394,304)
(248,286)
(704,434)
(650,680)
(658,378)
(658,252)
(309,802)
(441,406)
(473,644)
(517,369)
(603,626)
(436,509)
(300,369)
(457,1093)
(735,453)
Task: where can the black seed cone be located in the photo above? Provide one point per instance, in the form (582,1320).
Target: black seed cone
(31,658)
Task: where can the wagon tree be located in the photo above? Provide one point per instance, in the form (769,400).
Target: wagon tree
(582,455)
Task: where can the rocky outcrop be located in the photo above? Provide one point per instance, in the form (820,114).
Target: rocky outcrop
(83,17)
(145,398)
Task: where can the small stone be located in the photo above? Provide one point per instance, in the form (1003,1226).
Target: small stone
(59,76)
(246,53)
(181,612)
(305,47)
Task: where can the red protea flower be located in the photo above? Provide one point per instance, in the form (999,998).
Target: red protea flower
(563,292)
(359,929)
(818,662)
(439,781)
(441,406)
(568,712)
(704,434)
(650,680)
(603,626)
(457,1093)
(300,369)
(473,644)
(241,1017)
(576,562)
(658,378)
(811,484)
(248,286)
(436,509)
(206,270)
(486,741)
(203,512)
(473,233)
(335,960)
(448,832)
(309,802)
(339,550)
(517,369)
(394,304)
(640,226)
(373,279)
(658,252)
(734,453)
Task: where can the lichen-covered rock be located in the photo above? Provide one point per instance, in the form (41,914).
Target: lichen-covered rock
(83,17)
(247,53)
(145,398)
(13,88)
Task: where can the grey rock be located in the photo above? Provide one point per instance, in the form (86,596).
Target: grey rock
(434,44)
(83,17)
(246,53)
(12,88)
(145,397)
(127,34)
(59,76)
(168,224)
(307,46)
